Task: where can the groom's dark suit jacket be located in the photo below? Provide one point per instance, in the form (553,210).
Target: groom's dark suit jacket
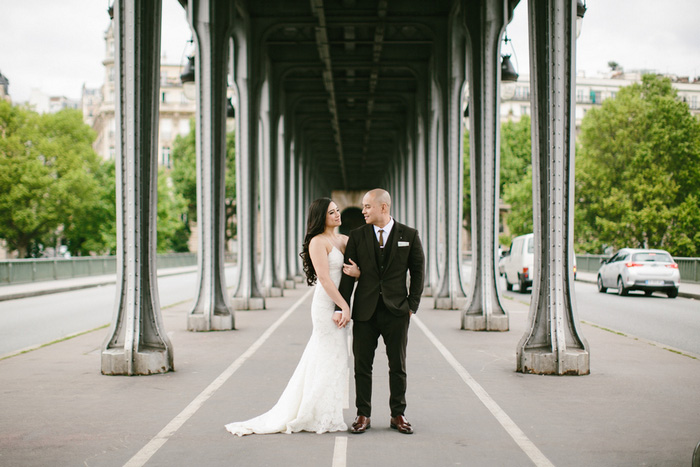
(403,252)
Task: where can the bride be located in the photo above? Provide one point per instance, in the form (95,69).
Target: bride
(313,399)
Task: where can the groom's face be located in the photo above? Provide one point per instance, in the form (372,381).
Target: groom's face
(371,209)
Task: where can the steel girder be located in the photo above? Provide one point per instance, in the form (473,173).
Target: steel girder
(210,23)
(553,344)
(484,311)
(137,343)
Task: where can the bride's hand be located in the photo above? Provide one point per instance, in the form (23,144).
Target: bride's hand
(351,270)
(344,318)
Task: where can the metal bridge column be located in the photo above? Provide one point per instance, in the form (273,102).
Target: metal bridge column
(210,21)
(484,311)
(247,295)
(553,344)
(432,205)
(453,295)
(137,343)
(268,188)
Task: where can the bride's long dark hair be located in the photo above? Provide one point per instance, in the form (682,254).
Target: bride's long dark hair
(315,225)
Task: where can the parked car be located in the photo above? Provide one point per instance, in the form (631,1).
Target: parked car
(637,269)
(517,264)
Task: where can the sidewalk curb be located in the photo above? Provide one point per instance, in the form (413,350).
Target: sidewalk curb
(693,296)
(68,288)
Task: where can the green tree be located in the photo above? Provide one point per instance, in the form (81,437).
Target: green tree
(638,172)
(47,182)
(173,232)
(515,186)
(184,176)
(516,174)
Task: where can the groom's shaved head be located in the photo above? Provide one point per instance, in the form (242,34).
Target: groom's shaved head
(380,196)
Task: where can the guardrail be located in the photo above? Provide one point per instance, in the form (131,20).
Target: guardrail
(688,267)
(18,271)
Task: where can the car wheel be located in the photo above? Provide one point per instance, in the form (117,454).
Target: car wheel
(521,285)
(673,293)
(621,290)
(648,293)
(509,286)
(601,289)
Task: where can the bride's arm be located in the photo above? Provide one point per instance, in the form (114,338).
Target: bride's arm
(319,258)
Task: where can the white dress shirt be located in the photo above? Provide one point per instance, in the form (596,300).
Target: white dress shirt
(387,230)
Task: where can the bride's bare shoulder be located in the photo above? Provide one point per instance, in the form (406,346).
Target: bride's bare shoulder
(319,243)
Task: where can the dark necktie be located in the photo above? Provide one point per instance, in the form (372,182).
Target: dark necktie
(381,238)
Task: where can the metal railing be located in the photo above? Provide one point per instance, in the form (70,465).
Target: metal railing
(688,267)
(18,271)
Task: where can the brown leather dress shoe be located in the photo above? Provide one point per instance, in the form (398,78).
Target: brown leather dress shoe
(360,425)
(400,423)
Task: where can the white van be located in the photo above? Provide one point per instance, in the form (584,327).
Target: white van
(517,265)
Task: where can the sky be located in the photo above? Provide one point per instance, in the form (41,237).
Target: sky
(58,46)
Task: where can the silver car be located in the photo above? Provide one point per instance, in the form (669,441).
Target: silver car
(636,269)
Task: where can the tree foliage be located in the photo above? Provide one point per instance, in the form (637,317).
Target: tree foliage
(184,176)
(638,172)
(516,174)
(48,184)
(55,190)
(515,185)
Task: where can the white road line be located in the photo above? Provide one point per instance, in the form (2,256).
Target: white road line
(340,451)
(537,457)
(176,423)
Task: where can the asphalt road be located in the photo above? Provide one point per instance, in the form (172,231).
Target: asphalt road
(671,322)
(29,322)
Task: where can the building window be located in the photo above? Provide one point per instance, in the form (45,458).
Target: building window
(112,153)
(165,157)
(522,93)
(162,96)
(524,110)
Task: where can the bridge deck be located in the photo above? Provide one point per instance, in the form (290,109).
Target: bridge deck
(639,405)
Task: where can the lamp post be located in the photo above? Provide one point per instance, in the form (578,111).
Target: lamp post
(580,13)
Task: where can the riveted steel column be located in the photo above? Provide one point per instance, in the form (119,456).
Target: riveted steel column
(421,186)
(247,295)
(432,204)
(294,215)
(271,286)
(553,344)
(137,343)
(453,296)
(210,21)
(484,311)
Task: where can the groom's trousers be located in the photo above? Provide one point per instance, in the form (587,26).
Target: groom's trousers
(394,332)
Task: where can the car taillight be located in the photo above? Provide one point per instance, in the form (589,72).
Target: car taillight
(525,272)
(632,265)
(672,265)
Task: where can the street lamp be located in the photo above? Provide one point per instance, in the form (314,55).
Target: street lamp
(230,110)
(580,12)
(508,73)
(187,79)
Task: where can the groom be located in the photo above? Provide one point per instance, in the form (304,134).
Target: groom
(384,250)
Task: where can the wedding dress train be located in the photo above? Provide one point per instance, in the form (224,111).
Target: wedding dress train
(314,397)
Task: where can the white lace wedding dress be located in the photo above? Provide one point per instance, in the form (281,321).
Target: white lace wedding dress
(314,397)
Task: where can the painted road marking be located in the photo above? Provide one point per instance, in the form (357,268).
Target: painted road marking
(537,457)
(176,423)
(340,451)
